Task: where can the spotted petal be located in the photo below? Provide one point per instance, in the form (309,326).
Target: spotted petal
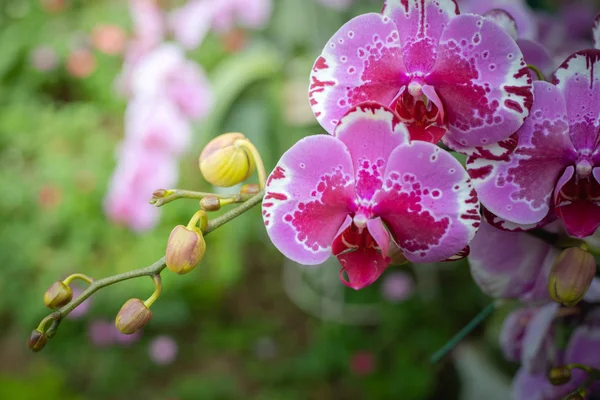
(420,23)
(483,81)
(427,202)
(361,62)
(519,189)
(578,79)
(308,196)
(508,264)
(370,132)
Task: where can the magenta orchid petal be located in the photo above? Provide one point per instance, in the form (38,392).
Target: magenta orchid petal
(520,188)
(513,331)
(584,346)
(578,79)
(427,202)
(308,197)
(504,20)
(361,62)
(536,339)
(538,387)
(483,81)
(519,10)
(370,132)
(537,55)
(362,267)
(507,264)
(502,224)
(420,24)
(580,217)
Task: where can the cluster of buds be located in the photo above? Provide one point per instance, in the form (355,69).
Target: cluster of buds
(571,276)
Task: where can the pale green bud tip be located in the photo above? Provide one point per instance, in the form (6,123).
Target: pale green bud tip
(185,249)
(37,340)
(571,276)
(559,375)
(133,316)
(58,295)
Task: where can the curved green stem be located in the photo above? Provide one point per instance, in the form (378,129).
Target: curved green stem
(171,195)
(538,72)
(151,270)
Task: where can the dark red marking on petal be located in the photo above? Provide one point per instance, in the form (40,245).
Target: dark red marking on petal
(278,173)
(276,196)
(480,173)
(320,64)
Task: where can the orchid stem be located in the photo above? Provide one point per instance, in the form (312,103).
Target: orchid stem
(538,72)
(464,332)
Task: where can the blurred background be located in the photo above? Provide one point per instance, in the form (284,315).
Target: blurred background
(246,323)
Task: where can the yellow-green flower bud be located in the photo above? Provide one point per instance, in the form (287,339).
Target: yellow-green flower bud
(210,203)
(133,316)
(571,276)
(58,295)
(185,249)
(225,163)
(559,375)
(250,188)
(37,340)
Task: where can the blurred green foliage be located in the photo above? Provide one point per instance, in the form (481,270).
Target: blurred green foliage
(58,137)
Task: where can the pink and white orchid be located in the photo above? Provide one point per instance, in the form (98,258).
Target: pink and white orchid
(556,164)
(460,77)
(351,193)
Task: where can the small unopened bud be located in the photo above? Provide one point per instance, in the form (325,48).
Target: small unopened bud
(571,276)
(58,295)
(225,163)
(159,194)
(37,340)
(133,316)
(185,249)
(250,188)
(210,203)
(559,375)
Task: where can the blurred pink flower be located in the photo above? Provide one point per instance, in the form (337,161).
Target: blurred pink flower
(191,22)
(148,22)
(397,286)
(139,173)
(163,350)
(44,58)
(101,332)
(362,363)
(166,71)
(109,39)
(126,340)
(81,309)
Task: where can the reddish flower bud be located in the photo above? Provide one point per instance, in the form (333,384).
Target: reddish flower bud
(223,163)
(559,375)
(571,276)
(37,340)
(250,188)
(58,295)
(210,203)
(133,316)
(185,249)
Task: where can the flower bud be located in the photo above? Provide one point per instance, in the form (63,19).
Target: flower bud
(185,249)
(250,188)
(571,276)
(58,295)
(160,193)
(210,203)
(224,163)
(559,375)
(132,317)
(37,340)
